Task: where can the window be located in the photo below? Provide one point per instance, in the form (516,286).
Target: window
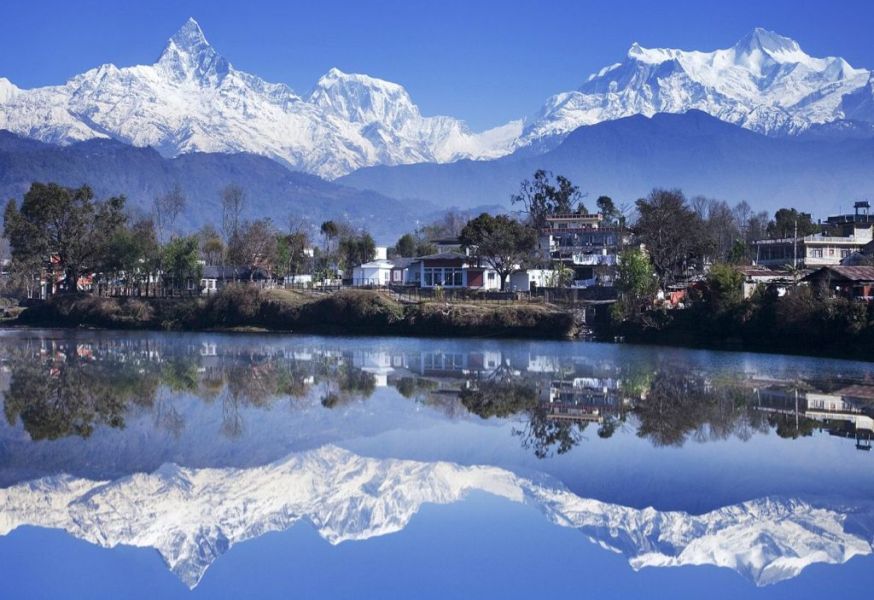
(816,252)
(445,277)
(845,252)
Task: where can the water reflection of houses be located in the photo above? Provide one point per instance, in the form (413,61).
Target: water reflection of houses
(451,369)
(585,399)
(844,411)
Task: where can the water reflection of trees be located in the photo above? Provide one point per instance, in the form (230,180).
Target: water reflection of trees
(61,388)
(58,389)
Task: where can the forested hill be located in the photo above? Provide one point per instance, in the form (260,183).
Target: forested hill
(141,174)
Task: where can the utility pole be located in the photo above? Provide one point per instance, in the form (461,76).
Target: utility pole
(795,247)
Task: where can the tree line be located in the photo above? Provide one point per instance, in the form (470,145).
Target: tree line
(81,235)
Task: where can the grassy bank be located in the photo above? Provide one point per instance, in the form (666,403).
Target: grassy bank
(344,312)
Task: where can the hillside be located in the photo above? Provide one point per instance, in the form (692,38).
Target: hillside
(627,157)
(141,174)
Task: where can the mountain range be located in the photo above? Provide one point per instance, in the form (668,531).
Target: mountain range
(193,516)
(626,158)
(193,100)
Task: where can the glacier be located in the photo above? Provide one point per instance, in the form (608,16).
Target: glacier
(193,516)
(193,100)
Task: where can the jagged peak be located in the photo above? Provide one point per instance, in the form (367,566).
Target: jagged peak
(189,35)
(188,54)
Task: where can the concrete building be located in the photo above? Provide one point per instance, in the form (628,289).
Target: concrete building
(846,235)
(452,270)
(584,244)
(376,272)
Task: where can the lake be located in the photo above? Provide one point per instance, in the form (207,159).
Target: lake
(216,465)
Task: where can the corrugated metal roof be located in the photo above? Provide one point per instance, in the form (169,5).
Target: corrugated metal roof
(862,273)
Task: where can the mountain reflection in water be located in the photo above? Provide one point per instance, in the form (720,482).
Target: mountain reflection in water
(193,516)
(190,444)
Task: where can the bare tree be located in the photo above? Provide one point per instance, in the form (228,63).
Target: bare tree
(233,200)
(257,247)
(165,210)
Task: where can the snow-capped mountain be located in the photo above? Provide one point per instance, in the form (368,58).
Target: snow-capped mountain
(193,99)
(192,516)
(765,82)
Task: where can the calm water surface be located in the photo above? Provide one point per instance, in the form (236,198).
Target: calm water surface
(204,465)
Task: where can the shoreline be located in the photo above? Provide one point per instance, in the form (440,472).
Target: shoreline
(348,312)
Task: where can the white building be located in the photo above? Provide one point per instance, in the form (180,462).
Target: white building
(377,272)
(524,280)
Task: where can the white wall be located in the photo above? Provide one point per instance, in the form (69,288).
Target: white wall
(370,275)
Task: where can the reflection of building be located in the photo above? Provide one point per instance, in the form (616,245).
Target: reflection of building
(845,412)
(582,399)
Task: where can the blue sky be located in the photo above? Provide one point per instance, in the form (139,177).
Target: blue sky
(486,62)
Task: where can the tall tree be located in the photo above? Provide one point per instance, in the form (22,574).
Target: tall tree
(671,231)
(608,209)
(544,195)
(181,262)
(165,210)
(257,245)
(329,230)
(211,245)
(63,225)
(406,245)
(233,200)
(635,283)
(356,250)
(291,253)
(501,242)
(785,222)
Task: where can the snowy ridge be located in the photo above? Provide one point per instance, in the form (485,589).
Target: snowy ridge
(193,99)
(192,516)
(765,82)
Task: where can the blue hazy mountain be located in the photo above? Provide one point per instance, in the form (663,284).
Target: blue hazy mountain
(141,174)
(627,157)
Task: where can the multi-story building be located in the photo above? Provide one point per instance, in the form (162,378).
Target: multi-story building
(584,244)
(845,235)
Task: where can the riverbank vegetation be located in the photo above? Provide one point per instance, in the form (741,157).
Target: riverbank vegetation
(796,320)
(347,311)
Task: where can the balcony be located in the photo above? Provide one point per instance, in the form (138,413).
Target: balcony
(594,259)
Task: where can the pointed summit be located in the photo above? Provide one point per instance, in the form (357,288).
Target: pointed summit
(189,36)
(189,56)
(767,42)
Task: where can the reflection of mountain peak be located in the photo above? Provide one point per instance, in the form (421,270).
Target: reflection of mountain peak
(192,516)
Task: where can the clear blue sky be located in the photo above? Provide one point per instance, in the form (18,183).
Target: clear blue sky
(486,62)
